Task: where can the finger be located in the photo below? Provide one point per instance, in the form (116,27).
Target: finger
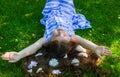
(100,56)
(108,52)
(106,48)
(11,56)
(8,56)
(4,56)
(12,61)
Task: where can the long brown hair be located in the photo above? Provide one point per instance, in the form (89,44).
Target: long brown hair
(58,50)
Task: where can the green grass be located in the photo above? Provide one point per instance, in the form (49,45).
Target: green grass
(20,27)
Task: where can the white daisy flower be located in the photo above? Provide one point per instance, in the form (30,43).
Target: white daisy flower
(66,56)
(80,48)
(57,72)
(32,64)
(39,54)
(83,54)
(30,71)
(53,62)
(75,62)
(39,69)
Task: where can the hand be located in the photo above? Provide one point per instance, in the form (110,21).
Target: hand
(102,50)
(11,56)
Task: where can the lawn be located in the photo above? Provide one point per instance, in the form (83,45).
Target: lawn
(20,27)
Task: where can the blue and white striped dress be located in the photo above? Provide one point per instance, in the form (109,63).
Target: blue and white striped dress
(61,13)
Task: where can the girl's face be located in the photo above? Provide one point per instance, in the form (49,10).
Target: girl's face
(60,35)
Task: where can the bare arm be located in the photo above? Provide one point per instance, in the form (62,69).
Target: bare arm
(99,50)
(85,43)
(32,48)
(15,56)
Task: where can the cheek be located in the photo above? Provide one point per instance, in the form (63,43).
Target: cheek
(73,39)
(55,33)
(65,34)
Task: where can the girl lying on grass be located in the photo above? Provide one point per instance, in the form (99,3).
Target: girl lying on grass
(60,20)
